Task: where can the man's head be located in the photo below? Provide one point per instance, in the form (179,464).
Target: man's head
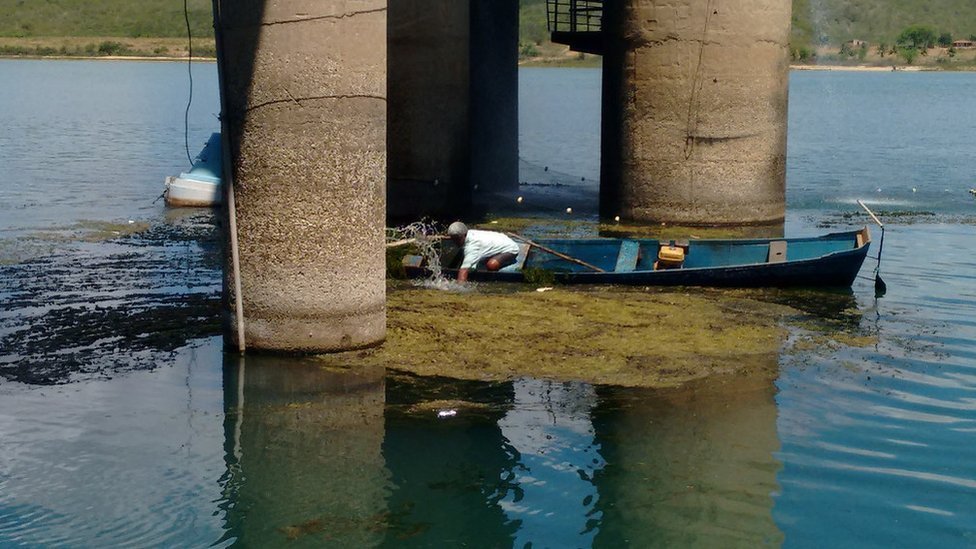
(457,231)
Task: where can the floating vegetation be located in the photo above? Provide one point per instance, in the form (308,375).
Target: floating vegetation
(667,232)
(90,231)
(534,275)
(601,335)
(899,217)
(444,408)
(74,310)
(543,227)
(540,227)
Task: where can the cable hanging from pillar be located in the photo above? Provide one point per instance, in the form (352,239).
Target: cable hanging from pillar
(228,180)
(189,72)
(694,101)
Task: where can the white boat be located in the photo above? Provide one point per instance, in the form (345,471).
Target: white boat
(201,185)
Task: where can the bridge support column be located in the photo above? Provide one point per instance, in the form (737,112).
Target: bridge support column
(303,86)
(694,111)
(453,116)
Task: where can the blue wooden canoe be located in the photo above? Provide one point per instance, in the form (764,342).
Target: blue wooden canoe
(829,260)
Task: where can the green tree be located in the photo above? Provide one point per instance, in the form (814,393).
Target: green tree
(945,40)
(862,52)
(882,49)
(917,37)
(908,54)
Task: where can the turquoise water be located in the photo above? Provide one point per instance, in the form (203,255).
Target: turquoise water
(126,439)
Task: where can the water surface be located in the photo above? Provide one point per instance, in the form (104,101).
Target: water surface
(147,434)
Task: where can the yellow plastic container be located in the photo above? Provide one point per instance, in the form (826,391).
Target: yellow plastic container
(671,256)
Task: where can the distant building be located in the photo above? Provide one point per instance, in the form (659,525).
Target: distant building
(963,44)
(855,44)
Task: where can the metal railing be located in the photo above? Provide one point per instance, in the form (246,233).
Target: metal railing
(574,15)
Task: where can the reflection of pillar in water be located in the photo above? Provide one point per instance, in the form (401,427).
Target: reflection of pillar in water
(448,473)
(550,426)
(691,468)
(303,448)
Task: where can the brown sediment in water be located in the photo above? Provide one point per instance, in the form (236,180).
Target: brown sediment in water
(90,231)
(652,338)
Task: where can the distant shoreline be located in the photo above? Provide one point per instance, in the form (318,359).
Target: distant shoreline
(562,62)
(862,68)
(111,58)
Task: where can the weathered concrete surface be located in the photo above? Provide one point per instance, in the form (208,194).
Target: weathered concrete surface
(453,104)
(694,114)
(304,90)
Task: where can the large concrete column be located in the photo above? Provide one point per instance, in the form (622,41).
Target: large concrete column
(303,85)
(429,91)
(453,115)
(494,97)
(694,114)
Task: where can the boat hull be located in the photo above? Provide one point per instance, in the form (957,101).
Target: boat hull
(184,192)
(838,265)
(201,186)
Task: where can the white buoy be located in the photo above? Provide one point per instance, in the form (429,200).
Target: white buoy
(569,210)
(519,200)
(616,218)
(914,189)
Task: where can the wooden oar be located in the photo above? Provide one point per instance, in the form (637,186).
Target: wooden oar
(557,254)
(879,285)
(403,242)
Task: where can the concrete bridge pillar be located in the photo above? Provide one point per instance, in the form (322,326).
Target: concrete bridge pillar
(453,111)
(303,87)
(694,111)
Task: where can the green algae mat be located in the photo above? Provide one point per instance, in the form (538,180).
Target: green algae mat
(611,336)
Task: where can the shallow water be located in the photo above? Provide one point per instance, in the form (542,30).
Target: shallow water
(121,426)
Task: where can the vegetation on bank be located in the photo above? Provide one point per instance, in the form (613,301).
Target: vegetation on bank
(104,18)
(104,28)
(914,45)
(821,23)
(105,47)
(825,32)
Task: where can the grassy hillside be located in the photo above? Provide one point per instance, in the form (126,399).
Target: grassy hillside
(103,18)
(833,22)
(815,22)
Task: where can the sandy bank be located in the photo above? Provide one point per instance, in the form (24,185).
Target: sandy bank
(855,68)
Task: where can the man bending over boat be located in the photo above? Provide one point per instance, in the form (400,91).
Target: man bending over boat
(487,249)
